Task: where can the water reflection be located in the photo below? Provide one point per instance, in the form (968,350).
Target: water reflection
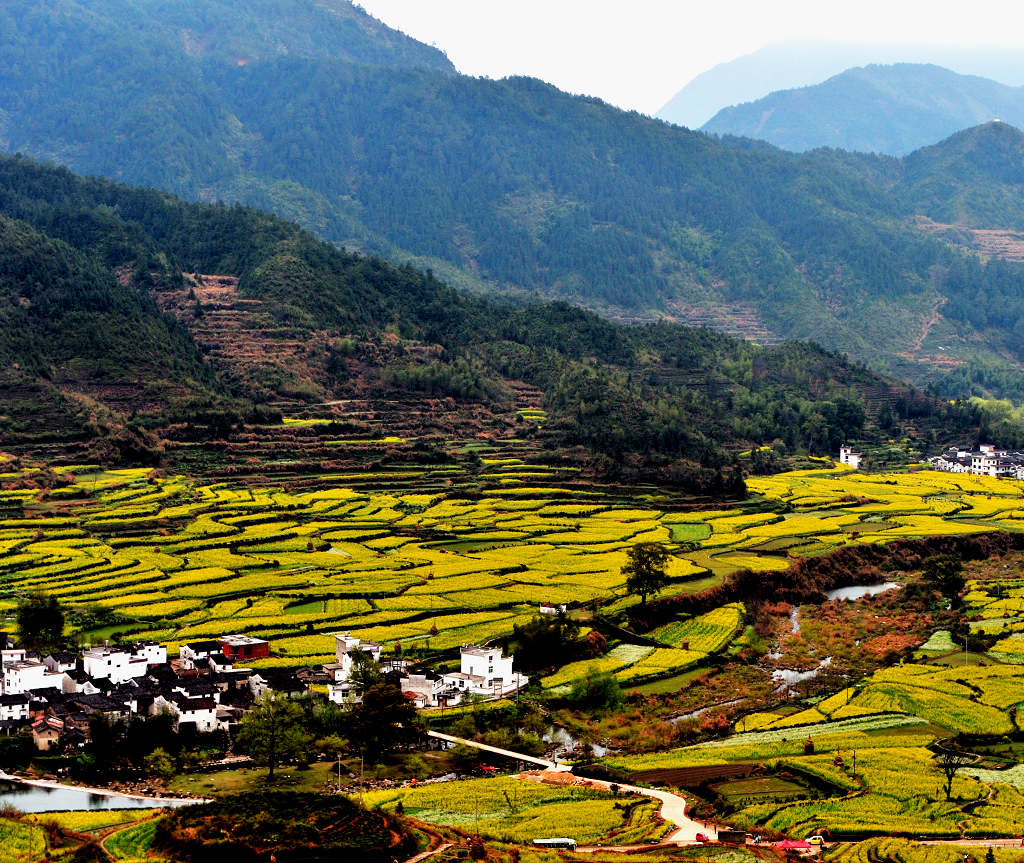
(48,798)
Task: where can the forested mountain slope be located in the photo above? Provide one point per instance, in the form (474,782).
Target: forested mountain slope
(506,186)
(893,109)
(126,310)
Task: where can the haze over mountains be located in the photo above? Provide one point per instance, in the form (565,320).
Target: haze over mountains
(805,63)
(874,109)
(514,187)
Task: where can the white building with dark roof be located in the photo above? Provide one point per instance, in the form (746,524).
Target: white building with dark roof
(115,664)
(485,671)
(24,675)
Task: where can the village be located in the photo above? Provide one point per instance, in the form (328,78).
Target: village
(208,688)
(986,460)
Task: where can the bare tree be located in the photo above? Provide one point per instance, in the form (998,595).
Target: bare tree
(950,762)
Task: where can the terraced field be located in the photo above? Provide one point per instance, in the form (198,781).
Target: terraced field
(512,810)
(430,558)
(176,559)
(869,743)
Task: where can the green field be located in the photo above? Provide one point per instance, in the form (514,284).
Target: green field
(173,559)
(431,567)
(514,810)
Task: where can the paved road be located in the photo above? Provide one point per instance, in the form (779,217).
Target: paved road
(494,750)
(673,810)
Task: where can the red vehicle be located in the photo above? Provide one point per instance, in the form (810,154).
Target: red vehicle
(702,837)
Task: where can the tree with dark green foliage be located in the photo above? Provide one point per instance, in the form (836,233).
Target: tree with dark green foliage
(159,764)
(596,691)
(645,569)
(271,732)
(658,400)
(464,758)
(545,641)
(383,721)
(944,573)
(364,672)
(40,621)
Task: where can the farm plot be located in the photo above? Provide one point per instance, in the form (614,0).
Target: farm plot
(514,810)
(171,559)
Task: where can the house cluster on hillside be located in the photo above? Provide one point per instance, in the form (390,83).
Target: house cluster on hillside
(986,460)
(484,672)
(204,690)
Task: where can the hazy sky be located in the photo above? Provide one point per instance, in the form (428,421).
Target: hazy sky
(637,54)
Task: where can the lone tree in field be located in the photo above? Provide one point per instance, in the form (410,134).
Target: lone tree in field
(40,621)
(272,731)
(645,569)
(950,762)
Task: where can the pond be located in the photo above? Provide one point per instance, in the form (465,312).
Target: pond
(53,798)
(859,591)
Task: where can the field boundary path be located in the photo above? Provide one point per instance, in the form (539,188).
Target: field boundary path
(426,855)
(494,750)
(673,810)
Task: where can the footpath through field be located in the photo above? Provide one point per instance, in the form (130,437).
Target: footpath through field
(673,809)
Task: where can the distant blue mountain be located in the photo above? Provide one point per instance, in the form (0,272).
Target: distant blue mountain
(785,65)
(875,109)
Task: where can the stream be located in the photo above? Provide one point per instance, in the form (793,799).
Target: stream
(786,677)
(563,743)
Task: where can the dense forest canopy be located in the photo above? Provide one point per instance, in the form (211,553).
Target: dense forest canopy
(372,141)
(87,266)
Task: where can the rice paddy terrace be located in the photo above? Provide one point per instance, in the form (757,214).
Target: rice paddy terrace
(430,557)
(434,557)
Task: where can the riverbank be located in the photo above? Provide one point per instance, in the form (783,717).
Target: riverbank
(140,800)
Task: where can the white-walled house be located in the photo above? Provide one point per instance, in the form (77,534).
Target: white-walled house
(258,685)
(61,661)
(114,664)
(9,651)
(346,646)
(189,653)
(485,671)
(428,688)
(153,652)
(77,681)
(23,675)
(201,712)
(986,460)
(848,456)
(14,708)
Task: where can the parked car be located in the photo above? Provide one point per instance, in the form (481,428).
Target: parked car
(816,839)
(702,837)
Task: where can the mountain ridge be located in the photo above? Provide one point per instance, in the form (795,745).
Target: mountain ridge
(891,109)
(133,317)
(513,187)
(798,63)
